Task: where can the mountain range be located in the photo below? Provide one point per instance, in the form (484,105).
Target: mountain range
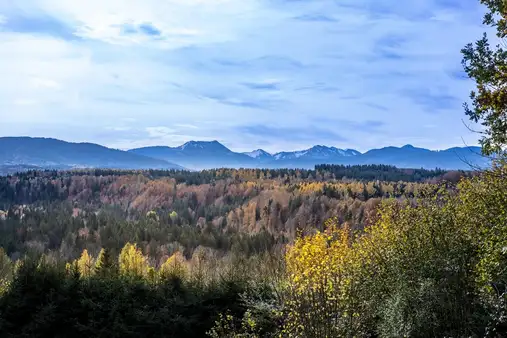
(51,153)
(199,155)
(31,153)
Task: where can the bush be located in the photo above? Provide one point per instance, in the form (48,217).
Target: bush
(431,268)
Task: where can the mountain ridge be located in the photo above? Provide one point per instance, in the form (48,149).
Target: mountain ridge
(196,155)
(53,153)
(406,156)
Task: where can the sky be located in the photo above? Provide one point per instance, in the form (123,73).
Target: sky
(271,74)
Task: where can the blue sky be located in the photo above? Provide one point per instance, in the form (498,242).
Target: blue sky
(272,74)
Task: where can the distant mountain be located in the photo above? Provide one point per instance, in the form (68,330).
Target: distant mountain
(316,152)
(52,153)
(260,155)
(411,157)
(199,155)
(23,153)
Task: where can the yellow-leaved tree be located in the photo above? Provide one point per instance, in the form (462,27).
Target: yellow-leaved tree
(435,265)
(174,267)
(132,262)
(85,264)
(320,272)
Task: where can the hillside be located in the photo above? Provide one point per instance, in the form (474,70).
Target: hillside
(52,153)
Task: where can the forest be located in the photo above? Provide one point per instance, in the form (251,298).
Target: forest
(226,252)
(250,211)
(338,251)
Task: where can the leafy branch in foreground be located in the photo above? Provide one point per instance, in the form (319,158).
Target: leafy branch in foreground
(487,66)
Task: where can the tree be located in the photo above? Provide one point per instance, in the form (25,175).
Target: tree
(320,285)
(174,267)
(85,264)
(6,269)
(132,262)
(105,265)
(488,67)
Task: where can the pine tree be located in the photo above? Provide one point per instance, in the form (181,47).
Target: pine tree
(105,265)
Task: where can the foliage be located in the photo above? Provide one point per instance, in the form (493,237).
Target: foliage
(132,262)
(487,65)
(85,264)
(44,299)
(105,266)
(63,213)
(174,267)
(262,318)
(433,267)
(429,263)
(6,270)
(320,284)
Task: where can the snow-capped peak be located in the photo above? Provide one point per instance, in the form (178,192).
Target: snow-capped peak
(351,152)
(318,151)
(259,153)
(192,144)
(215,145)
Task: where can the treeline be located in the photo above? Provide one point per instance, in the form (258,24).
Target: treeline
(321,172)
(388,173)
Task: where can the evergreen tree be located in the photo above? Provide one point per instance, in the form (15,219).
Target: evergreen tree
(105,265)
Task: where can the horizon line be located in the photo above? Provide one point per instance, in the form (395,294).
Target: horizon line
(241,152)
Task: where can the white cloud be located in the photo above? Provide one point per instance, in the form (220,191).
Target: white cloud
(159,131)
(235,63)
(45,83)
(186,126)
(24,102)
(181,23)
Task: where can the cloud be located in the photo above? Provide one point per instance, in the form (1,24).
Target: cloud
(434,99)
(148,29)
(354,73)
(365,126)
(241,103)
(156,132)
(377,106)
(37,25)
(315,18)
(261,85)
(44,83)
(296,134)
(186,126)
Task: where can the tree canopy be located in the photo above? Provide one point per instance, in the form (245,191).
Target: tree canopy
(487,66)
